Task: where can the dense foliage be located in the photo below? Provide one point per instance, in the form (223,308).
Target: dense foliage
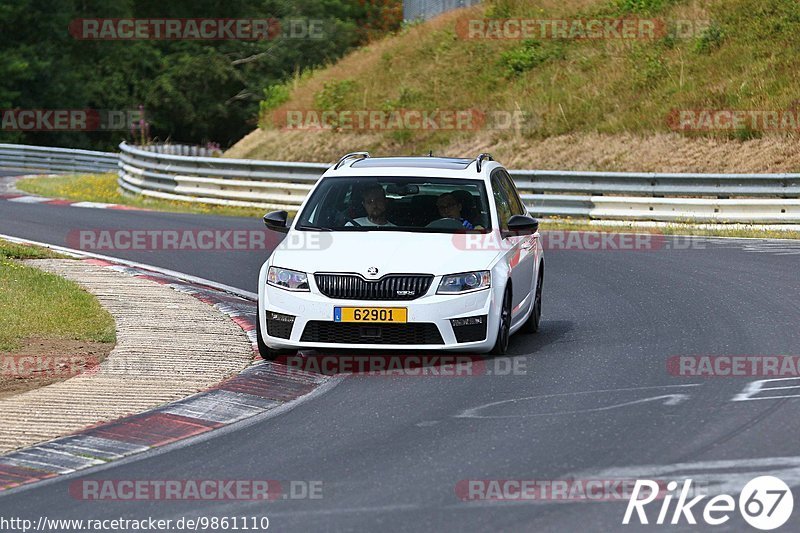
(193,91)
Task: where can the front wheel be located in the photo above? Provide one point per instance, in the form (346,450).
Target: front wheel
(504,329)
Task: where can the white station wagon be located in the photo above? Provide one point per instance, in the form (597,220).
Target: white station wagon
(412,253)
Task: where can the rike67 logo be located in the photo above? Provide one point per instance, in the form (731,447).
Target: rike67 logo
(765,503)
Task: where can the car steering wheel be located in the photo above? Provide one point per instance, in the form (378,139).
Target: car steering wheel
(445,222)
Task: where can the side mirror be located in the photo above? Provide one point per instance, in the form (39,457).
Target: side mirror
(276,221)
(521,225)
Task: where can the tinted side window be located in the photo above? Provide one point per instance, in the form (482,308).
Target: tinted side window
(515,202)
(501,200)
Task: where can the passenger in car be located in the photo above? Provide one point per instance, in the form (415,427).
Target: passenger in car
(450,207)
(375,204)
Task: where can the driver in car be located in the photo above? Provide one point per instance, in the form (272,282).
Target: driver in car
(450,207)
(375,204)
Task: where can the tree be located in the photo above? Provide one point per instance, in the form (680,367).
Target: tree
(193,91)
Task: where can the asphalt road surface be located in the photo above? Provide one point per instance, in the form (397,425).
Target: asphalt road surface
(590,398)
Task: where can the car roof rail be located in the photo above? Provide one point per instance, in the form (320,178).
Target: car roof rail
(351,155)
(480,158)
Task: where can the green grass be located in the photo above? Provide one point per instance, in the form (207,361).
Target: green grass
(712,54)
(9,250)
(741,231)
(103,188)
(41,305)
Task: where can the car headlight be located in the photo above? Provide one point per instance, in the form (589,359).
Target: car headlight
(466,282)
(287,279)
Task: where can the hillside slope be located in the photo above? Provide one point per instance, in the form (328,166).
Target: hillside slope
(604,103)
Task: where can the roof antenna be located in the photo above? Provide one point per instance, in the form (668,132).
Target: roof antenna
(430,153)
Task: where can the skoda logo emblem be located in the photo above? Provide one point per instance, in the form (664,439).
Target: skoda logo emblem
(372,271)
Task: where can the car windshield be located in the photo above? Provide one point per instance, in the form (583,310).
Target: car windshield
(431,205)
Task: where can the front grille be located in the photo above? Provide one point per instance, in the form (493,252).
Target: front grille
(354,287)
(349,333)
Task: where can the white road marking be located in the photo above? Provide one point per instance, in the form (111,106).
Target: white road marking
(668,400)
(713,477)
(756,387)
(29,199)
(91,205)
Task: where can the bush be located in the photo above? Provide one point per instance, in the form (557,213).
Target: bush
(274,95)
(649,67)
(528,56)
(710,39)
(334,94)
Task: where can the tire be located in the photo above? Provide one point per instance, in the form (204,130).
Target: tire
(504,328)
(532,324)
(267,353)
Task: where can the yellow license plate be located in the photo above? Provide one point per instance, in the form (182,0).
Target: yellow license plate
(370,314)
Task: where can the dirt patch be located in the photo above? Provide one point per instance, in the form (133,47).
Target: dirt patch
(41,362)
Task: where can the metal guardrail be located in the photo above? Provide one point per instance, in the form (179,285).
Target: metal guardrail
(157,171)
(425,9)
(21,156)
(214,180)
(747,198)
(738,198)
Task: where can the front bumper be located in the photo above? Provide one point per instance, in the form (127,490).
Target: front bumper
(428,316)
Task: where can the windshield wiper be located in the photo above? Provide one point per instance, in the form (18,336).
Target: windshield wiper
(312,227)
